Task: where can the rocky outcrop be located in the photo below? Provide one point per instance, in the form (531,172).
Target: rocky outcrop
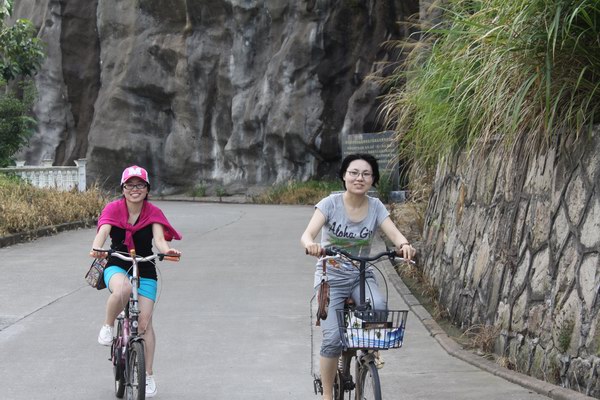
(513,242)
(234,93)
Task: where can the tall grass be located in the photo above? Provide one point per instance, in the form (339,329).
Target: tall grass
(496,73)
(25,208)
(294,192)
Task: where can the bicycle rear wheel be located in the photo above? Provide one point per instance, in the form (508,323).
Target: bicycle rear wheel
(368,383)
(136,372)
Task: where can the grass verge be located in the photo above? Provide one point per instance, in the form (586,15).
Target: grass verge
(24,207)
(294,192)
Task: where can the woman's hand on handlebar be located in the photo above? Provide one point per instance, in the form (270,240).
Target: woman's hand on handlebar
(406,251)
(95,253)
(313,249)
(172,255)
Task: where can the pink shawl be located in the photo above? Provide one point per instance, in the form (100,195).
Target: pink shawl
(115,213)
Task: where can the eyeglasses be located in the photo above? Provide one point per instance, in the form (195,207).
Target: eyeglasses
(130,186)
(364,174)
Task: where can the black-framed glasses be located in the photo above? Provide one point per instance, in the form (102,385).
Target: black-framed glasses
(131,186)
(364,174)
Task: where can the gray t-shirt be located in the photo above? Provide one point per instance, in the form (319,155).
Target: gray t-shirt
(341,232)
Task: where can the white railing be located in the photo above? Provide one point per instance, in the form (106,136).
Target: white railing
(47,176)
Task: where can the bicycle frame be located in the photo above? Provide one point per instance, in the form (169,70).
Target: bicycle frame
(126,335)
(133,308)
(132,313)
(362,305)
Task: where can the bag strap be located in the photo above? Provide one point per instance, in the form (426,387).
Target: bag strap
(320,300)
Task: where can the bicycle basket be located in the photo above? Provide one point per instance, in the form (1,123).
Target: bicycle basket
(372,329)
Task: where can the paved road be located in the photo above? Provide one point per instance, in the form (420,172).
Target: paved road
(232,319)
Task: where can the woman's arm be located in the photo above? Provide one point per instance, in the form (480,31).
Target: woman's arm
(403,247)
(159,240)
(99,240)
(312,230)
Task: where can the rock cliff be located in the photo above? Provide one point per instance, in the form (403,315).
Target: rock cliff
(234,93)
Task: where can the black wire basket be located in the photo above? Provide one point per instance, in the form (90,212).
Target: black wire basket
(372,329)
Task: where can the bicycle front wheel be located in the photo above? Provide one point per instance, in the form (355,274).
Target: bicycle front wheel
(118,361)
(368,383)
(136,372)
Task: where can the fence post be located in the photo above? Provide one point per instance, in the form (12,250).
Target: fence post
(81,182)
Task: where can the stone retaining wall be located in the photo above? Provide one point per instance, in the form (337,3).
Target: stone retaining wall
(513,242)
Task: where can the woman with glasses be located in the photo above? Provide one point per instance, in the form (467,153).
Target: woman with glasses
(133,223)
(349,220)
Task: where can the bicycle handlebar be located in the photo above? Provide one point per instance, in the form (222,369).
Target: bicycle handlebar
(334,251)
(122,256)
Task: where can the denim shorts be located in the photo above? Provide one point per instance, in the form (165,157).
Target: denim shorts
(148,287)
(344,284)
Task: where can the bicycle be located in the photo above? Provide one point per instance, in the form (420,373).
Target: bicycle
(127,349)
(364,331)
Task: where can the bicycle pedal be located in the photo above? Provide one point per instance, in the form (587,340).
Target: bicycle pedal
(349,385)
(318,386)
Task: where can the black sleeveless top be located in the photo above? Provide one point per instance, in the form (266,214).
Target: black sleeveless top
(142,240)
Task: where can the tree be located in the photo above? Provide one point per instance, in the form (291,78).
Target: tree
(21,55)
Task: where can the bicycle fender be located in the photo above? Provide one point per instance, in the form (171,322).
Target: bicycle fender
(136,339)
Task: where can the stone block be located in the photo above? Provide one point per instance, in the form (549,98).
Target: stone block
(575,199)
(589,236)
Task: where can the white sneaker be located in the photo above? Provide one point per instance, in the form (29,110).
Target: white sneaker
(150,386)
(105,337)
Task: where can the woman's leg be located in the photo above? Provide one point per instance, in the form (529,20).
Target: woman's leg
(146,300)
(147,330)
(120,289)
(331,348)
(328,368)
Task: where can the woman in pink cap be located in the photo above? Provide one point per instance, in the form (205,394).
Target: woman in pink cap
(133,222)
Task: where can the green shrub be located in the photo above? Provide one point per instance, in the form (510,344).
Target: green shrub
(384,187)
(564,335)
(293,192)
(199,191)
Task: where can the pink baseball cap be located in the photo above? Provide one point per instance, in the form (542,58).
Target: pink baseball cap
(134,172)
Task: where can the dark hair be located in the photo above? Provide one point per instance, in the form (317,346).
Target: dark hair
(360,156)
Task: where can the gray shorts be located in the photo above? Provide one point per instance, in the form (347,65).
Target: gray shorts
(343,286)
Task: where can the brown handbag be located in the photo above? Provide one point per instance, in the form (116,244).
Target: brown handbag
(323,296)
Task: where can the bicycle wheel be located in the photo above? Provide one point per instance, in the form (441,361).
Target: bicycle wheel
(338,386)
(136,372)
(118,362)
(368,383)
